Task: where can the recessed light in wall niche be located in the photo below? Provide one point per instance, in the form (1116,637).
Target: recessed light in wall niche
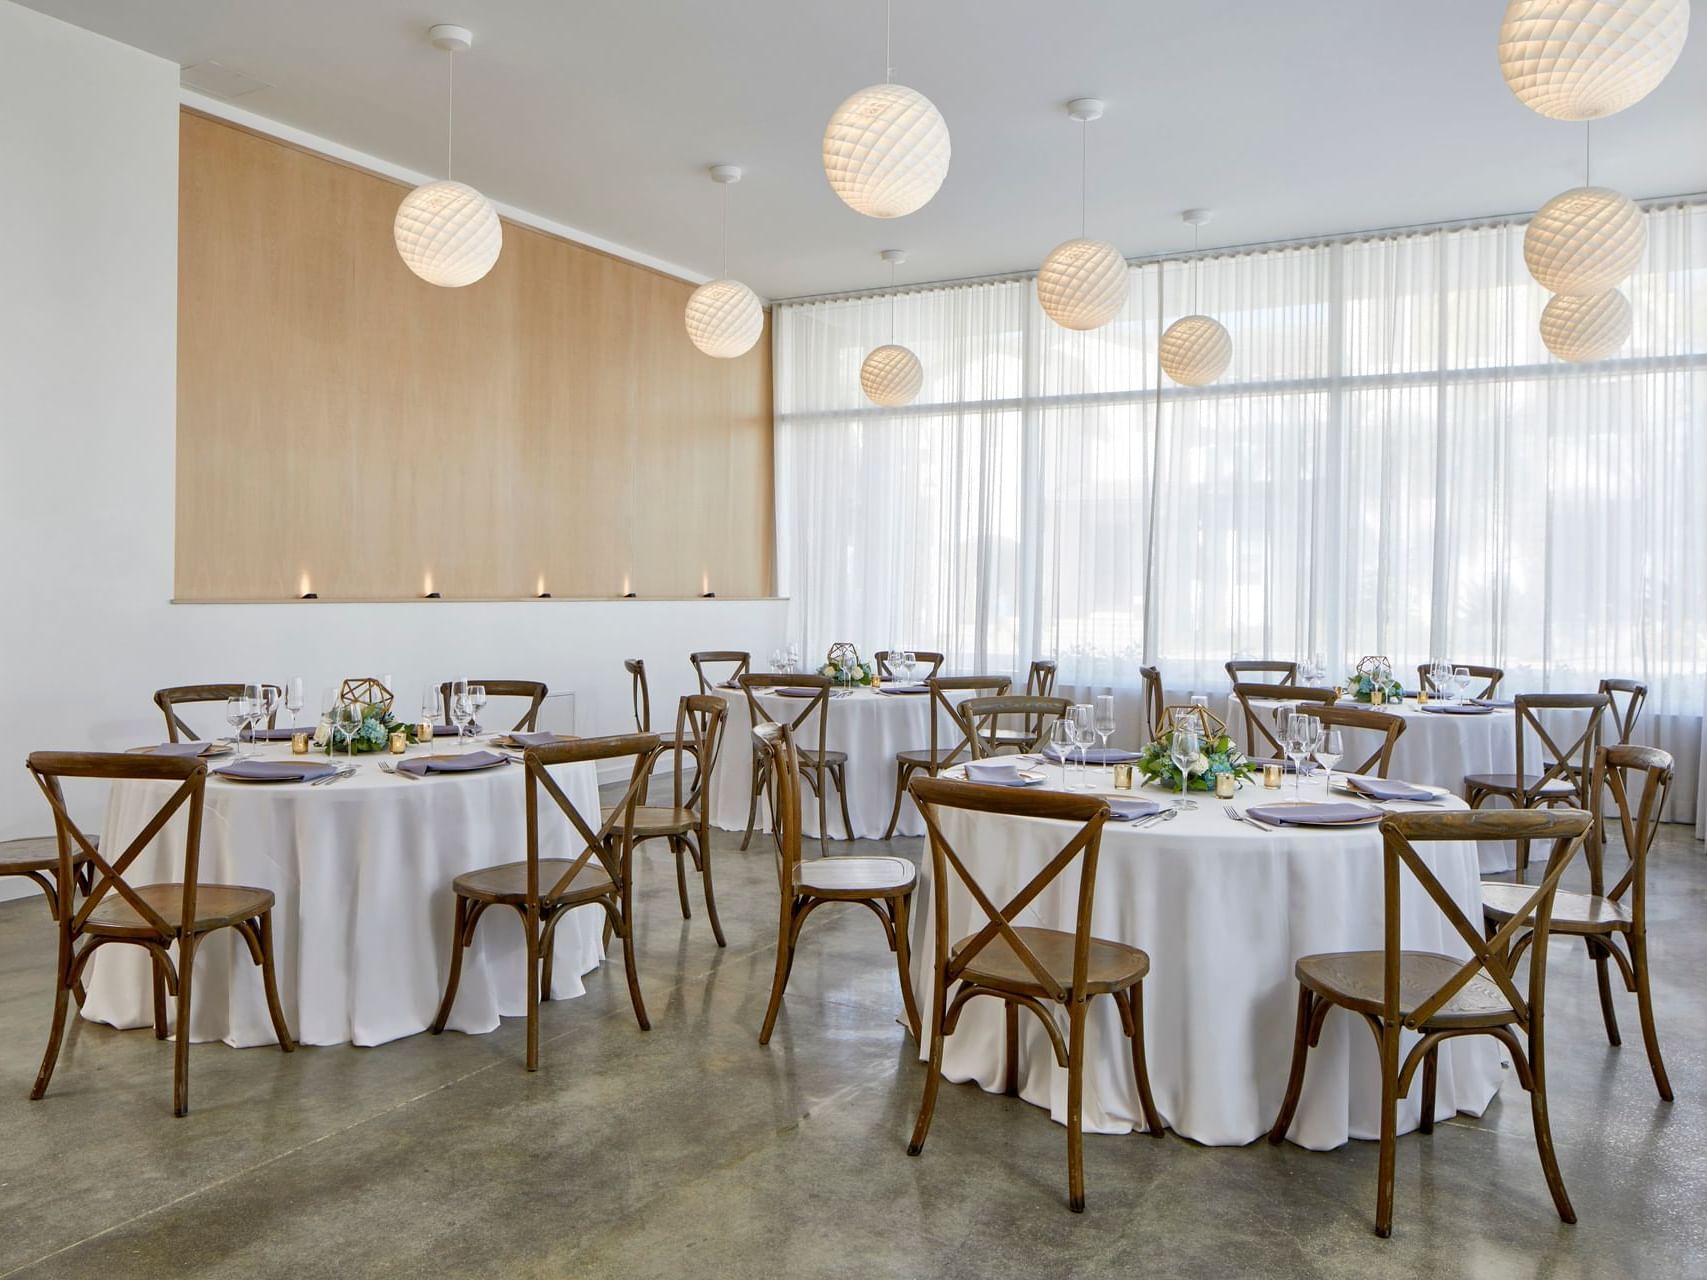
(431,595)
(709,595)
(543,595)
(310,595)
(631,595)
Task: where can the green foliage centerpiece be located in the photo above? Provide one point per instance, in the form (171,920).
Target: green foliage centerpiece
(374,733)
(1374,672)
(1216,756)
(842,664)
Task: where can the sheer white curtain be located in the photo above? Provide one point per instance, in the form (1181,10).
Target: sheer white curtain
(1393,464)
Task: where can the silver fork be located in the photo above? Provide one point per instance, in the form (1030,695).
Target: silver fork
(1236,816)
(385,766)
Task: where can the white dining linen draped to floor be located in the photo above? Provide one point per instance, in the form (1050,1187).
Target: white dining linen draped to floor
(1224,912)
(361,870)
(870,727)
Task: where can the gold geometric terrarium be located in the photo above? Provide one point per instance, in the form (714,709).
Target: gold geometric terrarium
(368,691)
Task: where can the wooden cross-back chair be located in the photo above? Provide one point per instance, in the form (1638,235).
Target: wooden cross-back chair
(1390,727)
(1261,736)
(738,661)
(36,859)
(1624,701)
(979,715)
(1490,677)
(1241,670)
(1440,997)
(1025,966)
(686,823)
(541,891)
(882,885)
(1601,917)
(1039,683)
(1154,701)
(156,916)
(940,755)
(533,691)
(168,700)
(1563,770)
(821,766)
(925,658)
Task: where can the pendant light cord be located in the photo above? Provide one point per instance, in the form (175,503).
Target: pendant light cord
(1588,163)
(1084,170)
(724,271)
(888,64)
(1196,265)
(892,304)
(450,111)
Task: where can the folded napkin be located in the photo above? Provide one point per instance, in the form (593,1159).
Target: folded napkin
(902,688)
(449,730)
(525,739)
(1122,810)
(185,749)
(1257,762)
(1382,789)
(1456,709)
(272,735)
(277,770)
(1093,755)
(1492,702)
(420,766)
(795,693)
(1312,815)
(1005,771)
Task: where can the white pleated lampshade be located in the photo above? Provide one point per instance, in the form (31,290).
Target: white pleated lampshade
(1196,350)
(886,151)
(1082,284)
(447,233)
(1578,329)
(1583,59)
(891,376)
(1585,241)
(724,318)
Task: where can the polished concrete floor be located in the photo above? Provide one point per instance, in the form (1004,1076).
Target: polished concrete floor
(691,1151)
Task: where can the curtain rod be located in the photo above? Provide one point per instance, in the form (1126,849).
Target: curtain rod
(1648,205)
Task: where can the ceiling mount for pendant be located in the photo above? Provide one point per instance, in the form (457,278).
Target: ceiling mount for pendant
(1084,110)
(724,174)
(450,38)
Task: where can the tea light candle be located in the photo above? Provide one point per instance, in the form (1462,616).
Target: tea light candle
(299,743)
(1378,698)
(424,731)
(399,742)
(1123,777)
(1272,776)
(1223,786)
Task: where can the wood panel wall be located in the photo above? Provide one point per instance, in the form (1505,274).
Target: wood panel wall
(346,428)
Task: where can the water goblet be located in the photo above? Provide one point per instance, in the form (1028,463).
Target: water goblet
(1183,749)
(1461,682)
(237,715)
(1329,748)
(476,701)
(1105,722)
(1083,719)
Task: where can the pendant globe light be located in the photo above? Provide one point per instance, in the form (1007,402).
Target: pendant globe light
(723,316)
(1082,283)
(891,375)
(1195,349)
(447,232)
(1584,59)
(886,148)
(1578,329)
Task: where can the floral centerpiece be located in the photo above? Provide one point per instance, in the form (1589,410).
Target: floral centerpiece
(842,664)
(1374,672)
(1217,756)
(377,726)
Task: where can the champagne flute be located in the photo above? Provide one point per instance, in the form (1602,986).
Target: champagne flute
(1061,740)
(1183,750)
(1296,744)
(1105,722)
(236,715)
(293,701)
(1329,748)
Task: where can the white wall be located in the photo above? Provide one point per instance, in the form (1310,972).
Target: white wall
(88,307)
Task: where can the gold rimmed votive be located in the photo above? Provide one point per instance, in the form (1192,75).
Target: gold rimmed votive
(1273,775)
(1123,776)
(399,742)
(1223,786)
(299,743)
(424,731)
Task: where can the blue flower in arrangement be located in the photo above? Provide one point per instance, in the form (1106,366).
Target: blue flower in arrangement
(1157,765)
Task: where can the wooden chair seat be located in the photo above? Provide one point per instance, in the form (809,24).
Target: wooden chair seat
(818,759)
(508,884)
(925,758)
(1511,784)
(1575,913)
(1114,966)
(855,877)
(1353,980)
(657,821)
(34,853)
(218,906)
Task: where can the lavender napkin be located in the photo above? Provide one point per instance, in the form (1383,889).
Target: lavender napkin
(525,739)
(1291,766)
(272,735)
(795,693)
(1005,772)
(277,770)
(1492,702)
(1093,755)
(1120,810)
(1312,815)
(902,688)
(1382,789)
(420,766)
(184,749)
(1456,709)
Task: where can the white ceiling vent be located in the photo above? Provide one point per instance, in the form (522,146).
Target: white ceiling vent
(219,81)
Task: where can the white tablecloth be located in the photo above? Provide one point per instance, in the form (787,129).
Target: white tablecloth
(361,870)
(870,727)
(1224,911)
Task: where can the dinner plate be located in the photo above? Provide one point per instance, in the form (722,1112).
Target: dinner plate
(209,751)
(273,771)
(1344,788)
(1297,815)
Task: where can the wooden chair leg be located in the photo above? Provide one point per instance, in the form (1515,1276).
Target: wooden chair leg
(1608,1014)
(1389,1040)
(1645,1007)
(181,1045)
(1075,1106)
(681,877)
(784,963)
(56,1033)
(703,848)
(547,954)
(821,784)
(1295,1079)
(1431,1068)
(159,974)
(1544,1136)
(270,982)
(760,768)
(628,959)
(933,1072)
(530,924)
(457,942)
(1141,1064)
(1010,1054)
(840,774)
(902,772)
(900,910)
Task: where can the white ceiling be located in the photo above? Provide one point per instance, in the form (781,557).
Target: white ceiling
(1288,117)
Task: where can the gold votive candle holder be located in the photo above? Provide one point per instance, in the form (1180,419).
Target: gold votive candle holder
(399,741)
(1378,698)
(1223,786)
(424,731)
(1123,774)
(1273,775)
(299,743)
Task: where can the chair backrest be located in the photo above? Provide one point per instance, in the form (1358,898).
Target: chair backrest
(738,662)
(1240,668)
(1492,956)
(1261,736)
(612,841)
(1040,679)
(636,668)
(1390,727)
(1571,763)
(700,720)
(945,710)
(106,870)
(533,690)
(1491,676)
(818,705)
(776,752)
(180,695)
(982,715)
(924,657)
(1082,845)
(1634,693)
(1154,703)
(1638,821)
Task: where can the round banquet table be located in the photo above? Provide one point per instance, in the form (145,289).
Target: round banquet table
(1224,912)
(870,727)
(361,870)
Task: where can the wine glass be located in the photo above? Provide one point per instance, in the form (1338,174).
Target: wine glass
(793,655)
(476,700)
(1461,681)
(1183,750)
(1061,743)
(909,663)
(1105,722)
(293,701)
(1329,748)
(1440,678)
(237,715)
(1313,733)
(779,660)
(459,699)
(1083,716)
(1296,744)
(430,708)
(256,696)
(350,714)
(270,697)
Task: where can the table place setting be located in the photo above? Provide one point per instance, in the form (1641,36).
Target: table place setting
(188,750)
(467,762)
(314,772)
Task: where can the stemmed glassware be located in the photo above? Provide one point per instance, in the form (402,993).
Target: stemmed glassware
(237,715)
(793,655)
(430,708)
(350,716)
(293,701)
(908,664)
(1330,746)
(779,660)
(1183,749)
(1296,744)
(1105,722)
(1061,739)
(476,701)
(1461,682)
(1083,717)
(1440,677)
(461,711)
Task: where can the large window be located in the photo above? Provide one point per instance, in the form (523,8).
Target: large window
(1393,464)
